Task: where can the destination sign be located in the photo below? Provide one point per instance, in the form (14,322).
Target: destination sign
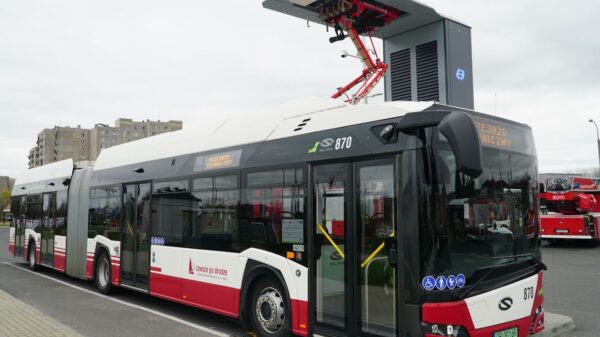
(491,134)
(505,136)
(218,161)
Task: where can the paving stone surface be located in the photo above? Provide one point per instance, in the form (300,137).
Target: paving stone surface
(18,319)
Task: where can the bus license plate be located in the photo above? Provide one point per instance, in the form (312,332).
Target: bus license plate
(513,332)
(562,231)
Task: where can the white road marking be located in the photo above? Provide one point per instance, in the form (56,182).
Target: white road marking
(152,311)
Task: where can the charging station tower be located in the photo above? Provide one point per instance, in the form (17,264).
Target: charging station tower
(426,56)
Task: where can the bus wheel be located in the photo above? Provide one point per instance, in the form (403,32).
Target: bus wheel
(31,253)
(270,309)
(103,274)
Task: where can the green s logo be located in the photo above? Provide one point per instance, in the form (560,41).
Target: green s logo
(314,148)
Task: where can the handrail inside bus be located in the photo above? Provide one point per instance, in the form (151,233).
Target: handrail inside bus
(337,248)
(375,252)
(331,241)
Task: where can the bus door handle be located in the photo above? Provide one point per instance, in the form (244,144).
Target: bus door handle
(393,257)
(393,251)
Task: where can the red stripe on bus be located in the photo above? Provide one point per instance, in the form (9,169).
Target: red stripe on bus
(116,273)
(156,269)
(300,317)
(89,265)
(59,262)
(220,299)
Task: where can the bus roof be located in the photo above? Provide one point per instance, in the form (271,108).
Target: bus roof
(286,120)
(50,173)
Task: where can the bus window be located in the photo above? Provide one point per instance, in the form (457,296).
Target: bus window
(104,214)
(171,212)
(273,213)
(467,224)
(60,219)
(215,214)
(34,212)
(15,209)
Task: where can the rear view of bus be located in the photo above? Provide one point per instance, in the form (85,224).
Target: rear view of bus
(479,264)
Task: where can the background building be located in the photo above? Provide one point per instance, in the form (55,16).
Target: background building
(61,143)
(6,183)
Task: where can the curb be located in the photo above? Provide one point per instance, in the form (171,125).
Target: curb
(556,325)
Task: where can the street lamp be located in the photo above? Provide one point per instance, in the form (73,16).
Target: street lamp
(598,139)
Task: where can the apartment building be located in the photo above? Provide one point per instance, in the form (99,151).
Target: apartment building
(80,144)
(60,143)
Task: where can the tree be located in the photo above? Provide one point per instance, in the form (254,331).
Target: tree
(4,203)
(4,199)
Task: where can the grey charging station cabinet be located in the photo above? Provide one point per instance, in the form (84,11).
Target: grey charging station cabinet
(430,63)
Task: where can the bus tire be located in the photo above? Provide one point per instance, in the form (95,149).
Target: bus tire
(31,256)
(103,274)
(269,308)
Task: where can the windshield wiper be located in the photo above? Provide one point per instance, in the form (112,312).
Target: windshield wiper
(468,291)
(457,295)
(533,257)
(539,262)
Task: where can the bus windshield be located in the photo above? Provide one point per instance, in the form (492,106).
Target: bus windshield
(468,224)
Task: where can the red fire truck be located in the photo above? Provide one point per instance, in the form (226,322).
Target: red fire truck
(570,208)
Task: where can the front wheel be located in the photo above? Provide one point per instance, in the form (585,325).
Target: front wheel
(31,261)
(270,309)
(103,274)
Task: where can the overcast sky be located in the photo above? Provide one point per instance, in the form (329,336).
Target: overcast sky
(85,62)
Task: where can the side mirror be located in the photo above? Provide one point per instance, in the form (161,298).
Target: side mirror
(461,133)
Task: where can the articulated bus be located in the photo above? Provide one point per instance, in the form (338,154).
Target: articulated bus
(315,218)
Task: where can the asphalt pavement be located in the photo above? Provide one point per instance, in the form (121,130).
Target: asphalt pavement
(572,284)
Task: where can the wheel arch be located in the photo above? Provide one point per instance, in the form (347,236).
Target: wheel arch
(31,239)
(253,271)
(100,248)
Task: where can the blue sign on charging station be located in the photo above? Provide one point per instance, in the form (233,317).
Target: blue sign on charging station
(460,74)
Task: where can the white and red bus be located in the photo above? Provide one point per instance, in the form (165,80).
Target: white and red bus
(314,218)
(571,209)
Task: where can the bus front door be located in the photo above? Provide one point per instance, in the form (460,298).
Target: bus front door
(135,249)
(353,265)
